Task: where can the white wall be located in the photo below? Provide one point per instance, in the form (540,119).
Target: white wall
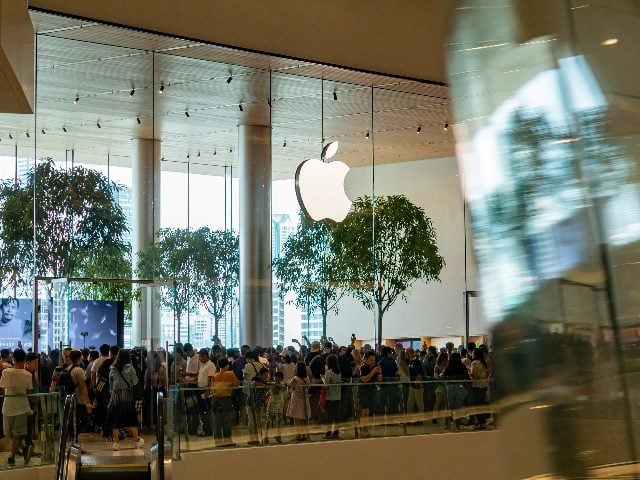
(434,309)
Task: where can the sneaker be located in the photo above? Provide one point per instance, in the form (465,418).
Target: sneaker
(116,446)
(139,443)
(11,462)
(26,454)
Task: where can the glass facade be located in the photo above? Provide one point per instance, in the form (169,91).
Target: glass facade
(97,100)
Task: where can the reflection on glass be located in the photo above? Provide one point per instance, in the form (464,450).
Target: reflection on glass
(552,187)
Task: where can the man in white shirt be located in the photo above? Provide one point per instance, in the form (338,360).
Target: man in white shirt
(191,396)
(17,382)
(104,354)
(205,380)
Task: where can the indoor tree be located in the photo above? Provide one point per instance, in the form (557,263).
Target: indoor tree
(218,271)
(385,244)
(205,265)
(76,216)
(309,267)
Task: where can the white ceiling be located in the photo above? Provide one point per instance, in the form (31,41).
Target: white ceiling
(102,64)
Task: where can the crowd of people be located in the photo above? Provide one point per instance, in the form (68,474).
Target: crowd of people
(264,389)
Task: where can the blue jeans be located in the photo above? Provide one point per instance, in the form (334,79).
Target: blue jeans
(456,394)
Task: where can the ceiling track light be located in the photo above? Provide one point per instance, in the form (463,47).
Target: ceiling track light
(229,79)
(28,135)
(132,92)
(98,125)
(161,89)
(367,134)
(76,100)
(10,137)
(284,144)
(138,120)
(186,114)
(335,95)
(188,156)
(419,129)
(231,150)
(43,132)
(215,151)
(446,126)
(64,129)
(241,108)
(198,154)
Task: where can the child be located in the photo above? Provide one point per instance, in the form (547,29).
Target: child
(275,418)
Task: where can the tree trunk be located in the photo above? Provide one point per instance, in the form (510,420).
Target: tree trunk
(215,327)
(379,332)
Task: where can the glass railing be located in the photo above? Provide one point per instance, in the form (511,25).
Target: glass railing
(39,445)
(256,416)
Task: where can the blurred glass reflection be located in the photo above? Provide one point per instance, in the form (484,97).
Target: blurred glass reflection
(546,120)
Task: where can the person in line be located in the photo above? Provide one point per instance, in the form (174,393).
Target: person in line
(121,411)
(299,408)
(456,391)
(275,414)
(441,364)
(224,383)
(17,382)
(479,373)
(415,399)
(205,380)
(189,377)
(369,374)
(156,380)
(333,382)
(257,402)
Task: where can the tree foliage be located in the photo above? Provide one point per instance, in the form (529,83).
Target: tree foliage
(309,267)
(219,269)
(205,264)
(385,245)
(76,215)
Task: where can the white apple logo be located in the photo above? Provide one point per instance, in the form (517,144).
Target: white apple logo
(320,187)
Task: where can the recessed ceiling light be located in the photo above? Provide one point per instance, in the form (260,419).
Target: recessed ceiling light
(609,41)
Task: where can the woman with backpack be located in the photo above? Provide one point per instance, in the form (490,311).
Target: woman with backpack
(121,411)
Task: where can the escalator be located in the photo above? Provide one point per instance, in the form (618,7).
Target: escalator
(76,464)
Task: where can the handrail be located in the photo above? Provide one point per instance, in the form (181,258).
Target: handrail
(68,415)
(160,434)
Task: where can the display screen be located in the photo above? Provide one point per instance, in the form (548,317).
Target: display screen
(94,322)
(15,323)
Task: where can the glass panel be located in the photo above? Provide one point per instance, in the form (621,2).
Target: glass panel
(550,172)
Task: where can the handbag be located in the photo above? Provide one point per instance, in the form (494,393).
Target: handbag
(101,384)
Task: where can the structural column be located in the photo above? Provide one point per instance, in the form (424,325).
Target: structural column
(254,157)
(145,221)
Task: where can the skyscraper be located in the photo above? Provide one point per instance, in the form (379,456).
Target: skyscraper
(281,229)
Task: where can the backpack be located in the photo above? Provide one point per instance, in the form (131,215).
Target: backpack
(65,380)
